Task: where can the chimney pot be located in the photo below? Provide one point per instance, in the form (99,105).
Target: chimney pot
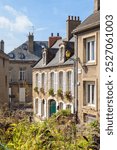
(71,17)
(57,34)
(68,17)
(51,34)
(75,17)
(2,45)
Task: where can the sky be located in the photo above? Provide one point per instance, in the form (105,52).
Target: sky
(42,17)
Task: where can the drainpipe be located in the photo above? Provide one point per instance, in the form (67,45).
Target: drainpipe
(76,78)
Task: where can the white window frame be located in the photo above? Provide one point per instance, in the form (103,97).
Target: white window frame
(90,40)
(22,74)
(90,102)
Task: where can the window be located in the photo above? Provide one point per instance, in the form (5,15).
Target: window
(36,80)
(68,81)
(43,80)
(61,80)
(52,80)
(44,58)
(22,94)
(89,118)
(61,56)
(22,74)
(90,49)
(90,93)
(10,78)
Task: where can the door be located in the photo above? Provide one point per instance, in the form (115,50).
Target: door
(52,107)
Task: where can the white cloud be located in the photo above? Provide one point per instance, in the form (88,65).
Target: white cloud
(18,23)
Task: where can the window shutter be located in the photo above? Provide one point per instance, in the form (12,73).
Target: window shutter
(57,78)
(45,82)
(55,82)
(48,80)
(64,83)
(40,82)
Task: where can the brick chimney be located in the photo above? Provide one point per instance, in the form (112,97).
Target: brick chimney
(53,39)
(71,23)
(96,5)
(2,45)
(30,42)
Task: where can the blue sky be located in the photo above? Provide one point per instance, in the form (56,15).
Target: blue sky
(47,16)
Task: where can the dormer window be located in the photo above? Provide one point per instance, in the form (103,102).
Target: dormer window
(61,53)
(44,57)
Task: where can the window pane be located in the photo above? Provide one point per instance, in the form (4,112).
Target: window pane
(43,78)
(93,101)
(92,50)
(88,93)
(88,51)
(61,80)
(52,80)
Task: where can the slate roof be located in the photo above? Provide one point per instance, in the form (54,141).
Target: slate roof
(55,61)
(90,22)
(22,52)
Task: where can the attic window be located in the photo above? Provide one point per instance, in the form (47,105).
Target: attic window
(44,58)
(61,54)
(12,55)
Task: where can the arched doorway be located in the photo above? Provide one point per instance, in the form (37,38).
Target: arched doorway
(52,107)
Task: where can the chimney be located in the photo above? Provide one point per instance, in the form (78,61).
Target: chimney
(71,23)
(2,45)
(96,5)
(31,42)
(53,39)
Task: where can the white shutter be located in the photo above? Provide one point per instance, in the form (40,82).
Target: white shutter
(45,82)
(40,80)
(55,82)
(48,80)
(64,81)
(22,94)
(72,83)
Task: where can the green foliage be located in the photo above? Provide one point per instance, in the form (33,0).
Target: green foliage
(59,132)
(42,90)
(68,95)
(51,92)
(60,93)
(36,90)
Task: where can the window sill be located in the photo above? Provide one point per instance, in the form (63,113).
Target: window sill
(91,107)
(90,63)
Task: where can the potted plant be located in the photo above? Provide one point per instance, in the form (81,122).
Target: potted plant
(60,93)
(42,90)
(68,95)
(51,92)
(36,90)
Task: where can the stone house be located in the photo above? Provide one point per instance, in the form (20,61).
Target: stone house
(20,70)
(4,83)
(53,75)
(88,41)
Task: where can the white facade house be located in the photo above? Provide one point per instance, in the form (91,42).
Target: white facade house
(53,82)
